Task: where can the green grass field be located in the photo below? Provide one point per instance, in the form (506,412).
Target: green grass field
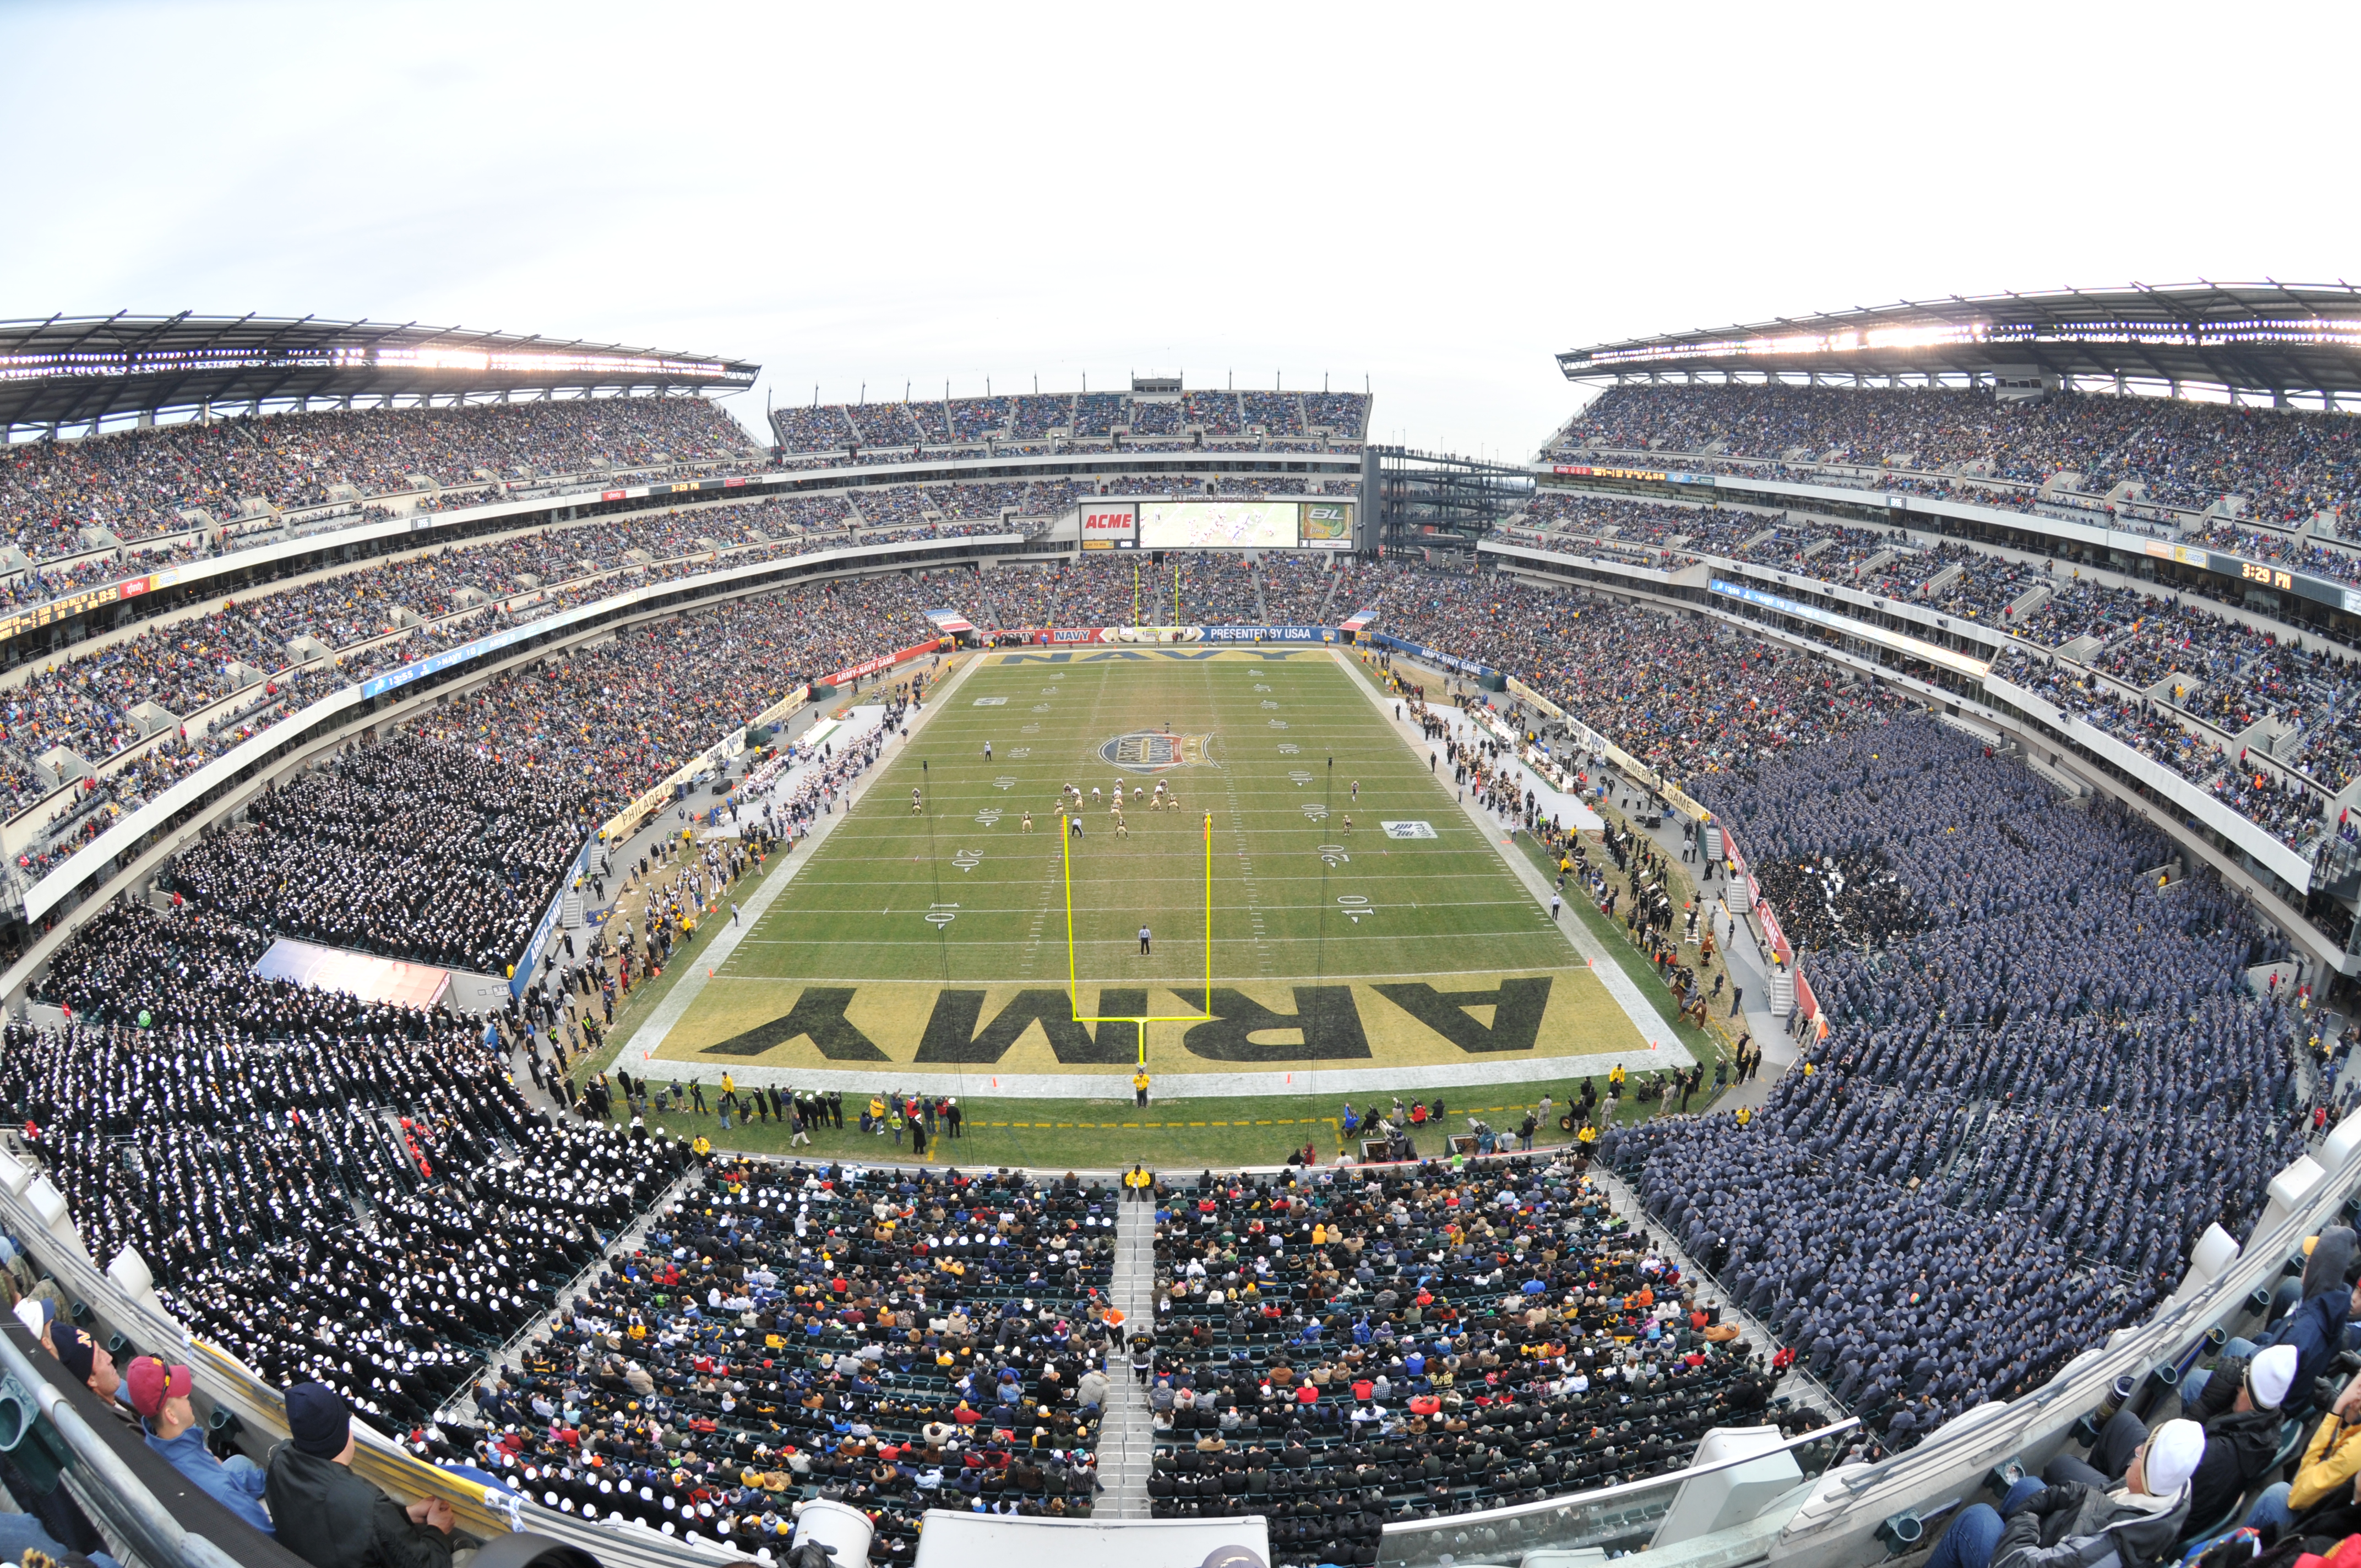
(936,938)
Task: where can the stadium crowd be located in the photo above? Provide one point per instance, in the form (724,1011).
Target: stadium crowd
(895,1340)
(1986,1164)
(337,1190)
(357,1195)
(411,849)
(135,484)
(1028,421)
(1684,699)
(1345,1349)
(2289,465)
(239,664)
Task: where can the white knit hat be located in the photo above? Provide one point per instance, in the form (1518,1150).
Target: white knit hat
(2173,1456)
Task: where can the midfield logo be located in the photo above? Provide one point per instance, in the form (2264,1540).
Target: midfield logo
(1153,751)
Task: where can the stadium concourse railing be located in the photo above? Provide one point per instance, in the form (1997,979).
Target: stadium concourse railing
(103,864)
(1687,1512)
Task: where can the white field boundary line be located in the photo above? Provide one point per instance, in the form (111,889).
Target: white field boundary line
(1239,980)
(1113,1083)
(1123,944)
(640,1048)
(1664,1047)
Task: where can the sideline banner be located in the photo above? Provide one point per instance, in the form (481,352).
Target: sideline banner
(1532,698)
(1807,1004)
(544,933)
(1151,635)
(885,661)
(1047,636)
(1268,634)
(1686,806)
(1432,656)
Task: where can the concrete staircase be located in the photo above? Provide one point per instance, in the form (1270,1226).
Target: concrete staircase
(1126,1438)
(1336,579)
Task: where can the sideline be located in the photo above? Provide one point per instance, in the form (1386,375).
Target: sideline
(1664,1046)
(640,1051)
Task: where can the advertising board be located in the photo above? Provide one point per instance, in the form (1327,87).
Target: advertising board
(1268,634)
(884,662)
(1110,525)
(1326,525)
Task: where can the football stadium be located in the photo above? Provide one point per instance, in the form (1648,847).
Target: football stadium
(1021,977)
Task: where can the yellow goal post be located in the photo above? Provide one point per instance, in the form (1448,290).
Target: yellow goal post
(1073,983)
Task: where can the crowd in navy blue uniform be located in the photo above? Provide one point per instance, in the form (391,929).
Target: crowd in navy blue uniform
(2025,1113)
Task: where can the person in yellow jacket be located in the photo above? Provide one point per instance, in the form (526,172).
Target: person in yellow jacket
(2331,1462)
(1615,1078)
(1137,1179)
(1745,1114)
(1139,1088)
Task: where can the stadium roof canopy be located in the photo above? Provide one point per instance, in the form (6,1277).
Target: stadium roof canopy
(71,370)
(2272,339)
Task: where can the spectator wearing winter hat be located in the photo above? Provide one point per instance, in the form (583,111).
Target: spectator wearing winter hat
(2316,1328)
(2322,1496)
(87,1361)
(2242,1434)
(38,1313)
(330,1517)
(160,1392)
(2134,1525)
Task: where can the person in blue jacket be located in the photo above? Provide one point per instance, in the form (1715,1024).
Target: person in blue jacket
(160,1392)
(2316,1328)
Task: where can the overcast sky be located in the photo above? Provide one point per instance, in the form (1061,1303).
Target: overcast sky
(1433,199)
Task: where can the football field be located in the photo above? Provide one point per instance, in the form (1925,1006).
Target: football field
(1359,918)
